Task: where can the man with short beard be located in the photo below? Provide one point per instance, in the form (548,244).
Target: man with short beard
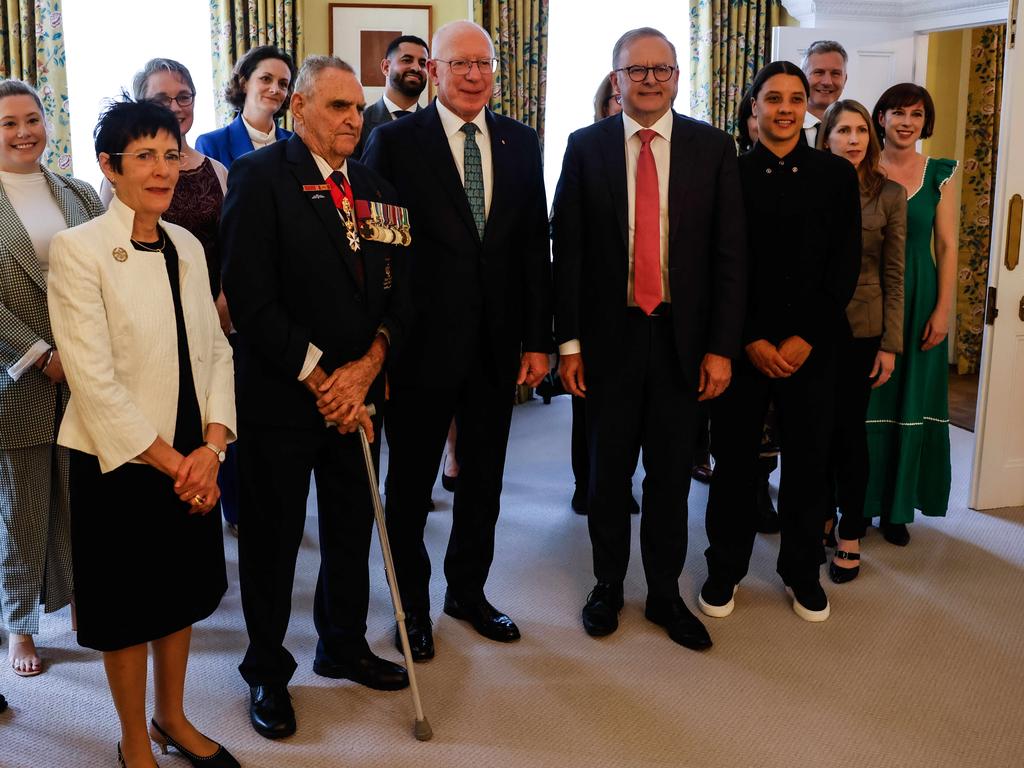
(405,67)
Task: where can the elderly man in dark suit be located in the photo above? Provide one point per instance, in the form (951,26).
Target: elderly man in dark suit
(405,67)
(319,306)
(482,290)
(649,288)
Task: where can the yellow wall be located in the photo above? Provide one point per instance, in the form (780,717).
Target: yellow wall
(314,22)
(945,58)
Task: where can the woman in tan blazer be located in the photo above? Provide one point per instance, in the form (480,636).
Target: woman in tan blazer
(151,412)
(875,315)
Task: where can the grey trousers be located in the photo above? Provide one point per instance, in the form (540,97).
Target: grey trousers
(35,535)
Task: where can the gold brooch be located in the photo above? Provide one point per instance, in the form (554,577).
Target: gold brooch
(120,254)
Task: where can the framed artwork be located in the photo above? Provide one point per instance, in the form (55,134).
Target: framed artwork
(359,33)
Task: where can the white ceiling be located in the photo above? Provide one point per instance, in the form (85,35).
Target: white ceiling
(910,15)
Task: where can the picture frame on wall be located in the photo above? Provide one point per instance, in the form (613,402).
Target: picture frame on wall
(359,33)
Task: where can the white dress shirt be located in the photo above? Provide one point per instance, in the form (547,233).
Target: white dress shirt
(811,126)
(39,213)
(313,353)
(661,146)
(452,125)
(392,107)
(258,138)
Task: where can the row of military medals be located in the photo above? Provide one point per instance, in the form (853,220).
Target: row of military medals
(384,223)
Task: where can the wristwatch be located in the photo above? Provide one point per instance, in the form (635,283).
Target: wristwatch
(220,454)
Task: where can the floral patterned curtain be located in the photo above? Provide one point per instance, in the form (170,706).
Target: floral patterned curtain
(238,25)
(32,36)
(519,29)
(977,190)
(730,40)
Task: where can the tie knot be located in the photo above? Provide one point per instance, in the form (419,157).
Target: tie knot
(647,135)
(338,178)
(469,129)
(400,113)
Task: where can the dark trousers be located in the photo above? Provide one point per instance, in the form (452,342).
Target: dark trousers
(642,402)
(417,426)
(227,480)
(804,412)
(275,465)
(849,471)
(580,450)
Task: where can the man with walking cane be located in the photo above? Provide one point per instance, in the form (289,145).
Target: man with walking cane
(315,276)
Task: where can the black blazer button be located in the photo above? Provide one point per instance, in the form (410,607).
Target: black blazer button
(359,298)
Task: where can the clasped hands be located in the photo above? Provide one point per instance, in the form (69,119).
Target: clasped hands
(778,362)
(341,395)
(715,375)
(195,480)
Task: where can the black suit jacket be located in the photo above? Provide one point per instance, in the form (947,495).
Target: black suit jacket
(374,115)
(291,279)
(469,291)
(707,258)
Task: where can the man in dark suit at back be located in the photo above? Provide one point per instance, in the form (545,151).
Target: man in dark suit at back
(481,282)
(649,300)
(405,68)
(319,306)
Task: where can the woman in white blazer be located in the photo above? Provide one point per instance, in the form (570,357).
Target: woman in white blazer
(35,538)
(151,412)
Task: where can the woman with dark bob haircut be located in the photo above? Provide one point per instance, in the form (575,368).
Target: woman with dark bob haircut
(151,411)
(606,101)
(908,419)
(260,89)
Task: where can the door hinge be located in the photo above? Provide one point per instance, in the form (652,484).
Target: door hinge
(990,306)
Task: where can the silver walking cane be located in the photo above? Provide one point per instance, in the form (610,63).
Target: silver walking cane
(422,729)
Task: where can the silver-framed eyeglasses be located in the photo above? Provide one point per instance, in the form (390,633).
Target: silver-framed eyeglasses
(461,67)
(638,73)
(183,99)
(149,156)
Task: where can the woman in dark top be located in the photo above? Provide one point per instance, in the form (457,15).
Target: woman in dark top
(867,357)
(151,412)
(804,249)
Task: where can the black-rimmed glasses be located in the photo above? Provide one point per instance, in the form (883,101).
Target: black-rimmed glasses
(637,73)
(183,99)
(462,67)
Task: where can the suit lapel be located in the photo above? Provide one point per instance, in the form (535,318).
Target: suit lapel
(614,151)
(435,145)
(503,157)
(680,165)
(72,207)
(17,241)
(306,173)
(239,142)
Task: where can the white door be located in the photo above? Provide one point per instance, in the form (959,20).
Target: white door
(999,438)
(877,60)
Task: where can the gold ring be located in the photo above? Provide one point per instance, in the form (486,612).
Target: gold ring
(198,500)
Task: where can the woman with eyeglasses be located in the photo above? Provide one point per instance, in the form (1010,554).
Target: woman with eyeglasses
(151,412)
(35,546)
(260,89)
(607,103)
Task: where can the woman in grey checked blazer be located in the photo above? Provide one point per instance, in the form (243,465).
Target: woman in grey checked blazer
(35,549)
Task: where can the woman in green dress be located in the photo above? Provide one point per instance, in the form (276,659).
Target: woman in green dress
(908,420)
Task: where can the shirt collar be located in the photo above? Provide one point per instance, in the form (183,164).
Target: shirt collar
(766,158)
(452,123)
(392,107)
(325,168)
(257,135)
(810,120)
(123,215)
(662,126)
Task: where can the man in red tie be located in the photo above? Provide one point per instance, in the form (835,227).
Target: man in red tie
(650,275)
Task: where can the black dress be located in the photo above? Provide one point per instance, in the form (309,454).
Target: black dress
(144,567)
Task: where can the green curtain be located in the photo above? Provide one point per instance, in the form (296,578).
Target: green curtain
(32,35)
(519,29)
(238,25)
(730,40)
(977,190)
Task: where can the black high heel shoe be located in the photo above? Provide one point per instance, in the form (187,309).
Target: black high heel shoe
(843,575)
(219,759)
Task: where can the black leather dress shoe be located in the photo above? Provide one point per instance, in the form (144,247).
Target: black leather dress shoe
(683,627)
(270,711)
(895,533)
(601,613)
(365,669)
(421,636)
(485,618)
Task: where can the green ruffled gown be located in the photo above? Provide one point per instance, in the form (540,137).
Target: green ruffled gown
(908,417)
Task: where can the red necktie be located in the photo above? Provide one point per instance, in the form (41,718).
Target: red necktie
(647,228)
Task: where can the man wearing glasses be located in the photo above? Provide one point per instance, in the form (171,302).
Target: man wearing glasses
(650,292)
(481,285)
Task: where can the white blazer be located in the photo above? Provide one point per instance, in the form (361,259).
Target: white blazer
(113,321)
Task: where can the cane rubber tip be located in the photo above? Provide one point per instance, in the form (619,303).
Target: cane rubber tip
(423,730)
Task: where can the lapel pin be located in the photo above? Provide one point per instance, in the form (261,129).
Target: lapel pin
(119,254)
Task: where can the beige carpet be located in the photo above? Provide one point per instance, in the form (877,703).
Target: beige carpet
(920,664)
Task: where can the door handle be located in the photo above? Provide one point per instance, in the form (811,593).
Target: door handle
(1012,256)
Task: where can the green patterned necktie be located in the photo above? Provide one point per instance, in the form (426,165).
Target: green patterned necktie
(474,175)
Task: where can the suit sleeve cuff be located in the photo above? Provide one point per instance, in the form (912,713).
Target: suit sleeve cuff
(313,355)
(570,347)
